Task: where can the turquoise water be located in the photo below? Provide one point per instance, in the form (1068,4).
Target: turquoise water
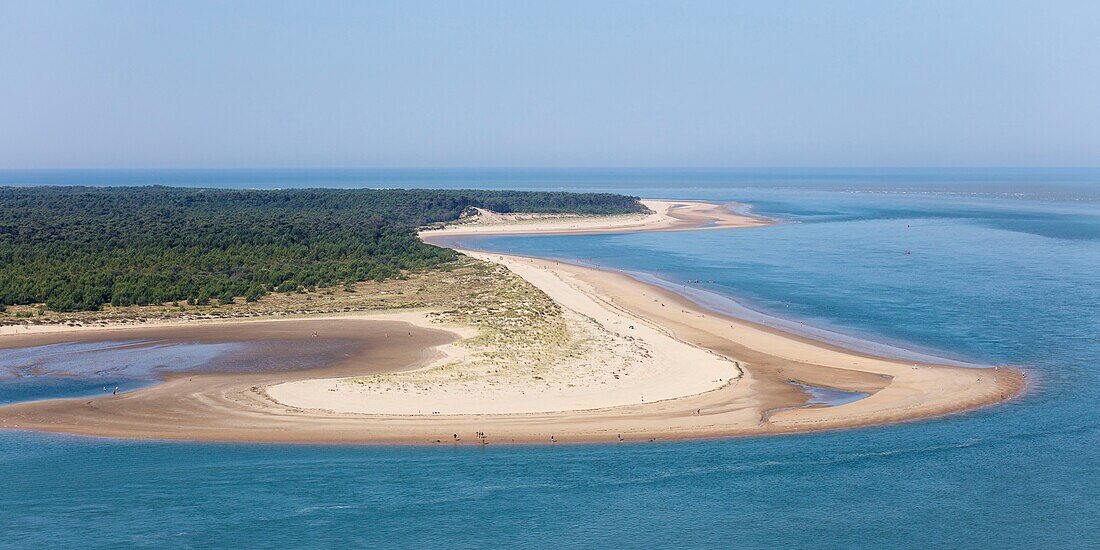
(1001,269)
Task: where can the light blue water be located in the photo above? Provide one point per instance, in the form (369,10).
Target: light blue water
(97,368)
(1042,183)
(830,397)
(1003,271)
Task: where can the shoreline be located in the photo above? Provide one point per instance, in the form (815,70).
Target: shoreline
(769,360)
(665,215)
(849,343)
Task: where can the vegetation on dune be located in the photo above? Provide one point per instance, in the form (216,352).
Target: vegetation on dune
(77,248)
(442,289)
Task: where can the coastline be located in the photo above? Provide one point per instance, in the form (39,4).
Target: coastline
(664,215)
(237,408)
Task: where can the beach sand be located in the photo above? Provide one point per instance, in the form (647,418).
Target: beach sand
(665,215)
(685,372)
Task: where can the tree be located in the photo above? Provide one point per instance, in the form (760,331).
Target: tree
(254,294)
(77,248)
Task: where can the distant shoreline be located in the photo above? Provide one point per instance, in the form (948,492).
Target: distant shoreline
(665,215)
(300,407)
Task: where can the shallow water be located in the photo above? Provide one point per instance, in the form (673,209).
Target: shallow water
(818,396)
(829,397)
(97,363)
(1003,268)
(78,369)
(135,358)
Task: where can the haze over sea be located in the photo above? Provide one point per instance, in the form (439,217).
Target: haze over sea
(986,266)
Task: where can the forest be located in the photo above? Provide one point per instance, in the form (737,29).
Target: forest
(78,248)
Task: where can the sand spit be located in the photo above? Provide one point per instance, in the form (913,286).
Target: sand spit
(631,362)
(665,215)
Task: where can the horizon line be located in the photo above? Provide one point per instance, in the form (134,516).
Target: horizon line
(504,167)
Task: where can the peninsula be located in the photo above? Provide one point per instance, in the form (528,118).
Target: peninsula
(488,348)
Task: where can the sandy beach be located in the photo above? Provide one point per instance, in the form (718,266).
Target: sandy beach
(665,215)
(640,363)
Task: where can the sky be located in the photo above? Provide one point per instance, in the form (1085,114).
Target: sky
(548,84)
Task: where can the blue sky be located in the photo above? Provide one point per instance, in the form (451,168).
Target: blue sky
(630,84)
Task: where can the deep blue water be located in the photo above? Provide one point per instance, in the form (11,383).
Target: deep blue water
(1003,268)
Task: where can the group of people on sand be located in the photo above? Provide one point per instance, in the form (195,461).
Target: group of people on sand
(553,438)
(479,435)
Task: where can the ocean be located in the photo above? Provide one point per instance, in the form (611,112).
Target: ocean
(978,266)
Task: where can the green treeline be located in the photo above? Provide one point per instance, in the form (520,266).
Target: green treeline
(77,248)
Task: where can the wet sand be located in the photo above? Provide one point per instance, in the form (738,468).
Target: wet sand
(258,347)
(216,402)
(761,400)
